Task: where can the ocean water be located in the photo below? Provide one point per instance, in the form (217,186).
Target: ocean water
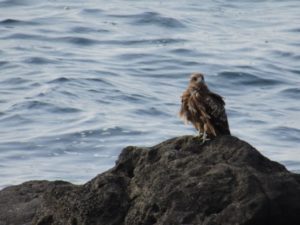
(80,80)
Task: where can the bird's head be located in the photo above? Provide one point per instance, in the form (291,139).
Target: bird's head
(197,78)
(197,82)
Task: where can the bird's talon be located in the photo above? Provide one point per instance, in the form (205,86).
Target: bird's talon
(204,137)
(204,140)
(201,137)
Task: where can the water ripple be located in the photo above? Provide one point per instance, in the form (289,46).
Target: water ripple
(291,93)
(86,30)
(79,40)
(39,61)
(12,3)
(90,41)
(154,18)
(94,12)
(81,81)
(59,80)
(286,133)
(100,81)
(3,63)
(16,22)
(247,79)
(43,106)
(14,81)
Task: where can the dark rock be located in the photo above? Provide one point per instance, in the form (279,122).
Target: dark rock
(180,181)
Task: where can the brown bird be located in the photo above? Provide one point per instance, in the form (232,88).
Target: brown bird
(204,109)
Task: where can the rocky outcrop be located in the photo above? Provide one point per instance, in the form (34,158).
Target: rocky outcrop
(180,181)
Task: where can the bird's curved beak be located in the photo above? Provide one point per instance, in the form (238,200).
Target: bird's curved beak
(201,81)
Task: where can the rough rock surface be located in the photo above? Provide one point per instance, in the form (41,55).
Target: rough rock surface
(180,181)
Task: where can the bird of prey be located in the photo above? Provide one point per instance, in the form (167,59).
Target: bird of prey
(204,109)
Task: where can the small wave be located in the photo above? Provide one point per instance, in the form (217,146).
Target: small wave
(151,112)
(33,105)
(92,12)
(59,110)
(15,81)
(99,80)
(246,79)
(115,131)
(88,41)
(24,36)
(69,94)
(14,119)
(44,106)
(79,40)
(105,72)
(158,41)
(59,80)
(78,82)
(295,71)
(285,54)
(86,30)
(296,30)
(16,22)
(291,93)
(153,18)
(293,165)
(39,60)
(68,39)
(187,52)
(255,121)
(97,133)
(135,56)
(147,18)
(12,3)
(286,133)
(132,98)
(3,63)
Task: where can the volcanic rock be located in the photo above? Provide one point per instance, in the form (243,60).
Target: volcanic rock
(177,182)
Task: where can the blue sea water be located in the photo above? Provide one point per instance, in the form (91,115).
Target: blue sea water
(80,80)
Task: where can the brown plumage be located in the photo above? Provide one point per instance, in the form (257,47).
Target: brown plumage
(203,108)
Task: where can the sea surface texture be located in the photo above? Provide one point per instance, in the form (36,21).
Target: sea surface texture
(80,80)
